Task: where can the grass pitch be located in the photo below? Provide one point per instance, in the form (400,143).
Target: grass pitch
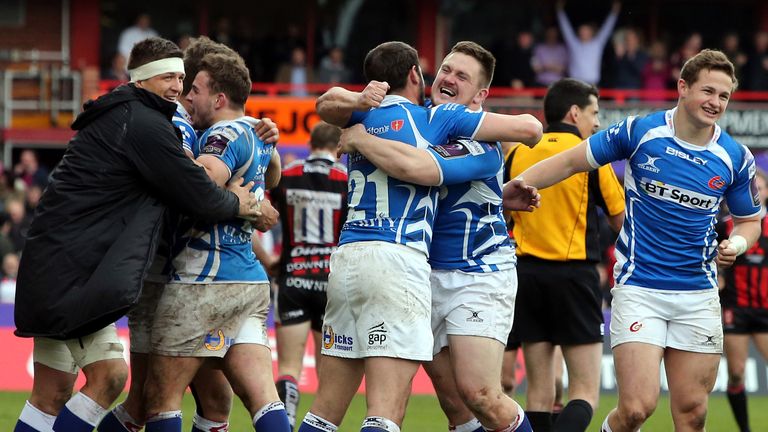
(424,414)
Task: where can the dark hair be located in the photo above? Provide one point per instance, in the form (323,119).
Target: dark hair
(324,136)
(152,49)
(193,55)
(390,62)
(565,93)
(710,60)
(483,56)
(229,76)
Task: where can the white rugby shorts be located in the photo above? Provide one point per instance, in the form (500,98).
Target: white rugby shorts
(203,320)
(140,318)
(683,320)
(378,303)
(472,304)
(71,354)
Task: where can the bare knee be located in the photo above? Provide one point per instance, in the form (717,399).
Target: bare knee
(105,382)
(50,401)
(736,378)
(693,416)
(632,416)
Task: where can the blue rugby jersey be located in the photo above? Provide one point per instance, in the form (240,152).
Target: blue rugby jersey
(222,252)
(183,121)
(673,193)
(382,208)
(469,233)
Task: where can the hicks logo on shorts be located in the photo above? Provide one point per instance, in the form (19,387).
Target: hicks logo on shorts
(377,335)
(340,341)
(635,327)
(396,125)
(216,341)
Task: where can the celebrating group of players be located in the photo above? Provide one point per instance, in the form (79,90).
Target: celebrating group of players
(424,273)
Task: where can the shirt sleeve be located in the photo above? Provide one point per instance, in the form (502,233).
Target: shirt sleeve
(459,121)
(611,144)
(188,134)
(464,160)
(356,117)
(223,143)
(611,190)
(742,195)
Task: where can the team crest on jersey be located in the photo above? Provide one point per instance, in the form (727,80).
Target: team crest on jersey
(649,164)
(215,340)
(716,183)
(396,125)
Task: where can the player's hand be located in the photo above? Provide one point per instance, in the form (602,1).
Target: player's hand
(726,256)
(268,218)
(373,94)
(518,196)
(249,204)
(350,137)
(267,131)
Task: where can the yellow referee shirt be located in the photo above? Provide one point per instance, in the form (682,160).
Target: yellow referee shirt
(565,226)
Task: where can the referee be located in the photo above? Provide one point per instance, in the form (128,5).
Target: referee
(559,300)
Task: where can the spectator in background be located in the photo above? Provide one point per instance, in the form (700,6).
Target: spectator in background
(117,69)
(550,58)
(139,31)
(520,70)
(585,49)
(8,282)
(6,246)
(756,67)
(691,46)
(630,60)
(28,170)
(19,222)
(731,48)
(657,72)
(32,198)
(297,72)
(332,69)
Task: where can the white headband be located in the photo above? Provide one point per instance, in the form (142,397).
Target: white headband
(157,67)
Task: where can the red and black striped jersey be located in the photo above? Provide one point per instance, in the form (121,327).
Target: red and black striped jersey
(746,282)
(312,200)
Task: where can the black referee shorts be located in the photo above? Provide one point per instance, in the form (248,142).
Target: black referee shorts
(558,302)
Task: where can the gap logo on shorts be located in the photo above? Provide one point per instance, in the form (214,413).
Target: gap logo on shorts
(332,340)
(215,340)
(377,336)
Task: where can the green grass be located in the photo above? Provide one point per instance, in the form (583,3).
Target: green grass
(424,414)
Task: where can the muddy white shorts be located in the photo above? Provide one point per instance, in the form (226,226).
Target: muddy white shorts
(140,318)
(472,304)
(71,354)
(203,320)
(379,303)
(684,320)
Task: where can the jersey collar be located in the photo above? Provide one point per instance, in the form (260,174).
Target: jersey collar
(394,100)
(669,117)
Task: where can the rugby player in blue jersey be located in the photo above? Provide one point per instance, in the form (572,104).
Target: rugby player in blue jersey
(473,262)
(396,219)
(680,166)
(217,283)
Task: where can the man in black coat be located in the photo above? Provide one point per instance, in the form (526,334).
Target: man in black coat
(95,232)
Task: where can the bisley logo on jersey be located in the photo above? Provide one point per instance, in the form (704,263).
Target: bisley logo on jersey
(678,195)
(649,164)
(683,155)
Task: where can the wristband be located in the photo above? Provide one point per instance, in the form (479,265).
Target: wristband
(738,243)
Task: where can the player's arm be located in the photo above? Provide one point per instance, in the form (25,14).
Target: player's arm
(397,159)
(745,233)
(523,128)
(266,259)
(337,104)
(274,171)
(216,169)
